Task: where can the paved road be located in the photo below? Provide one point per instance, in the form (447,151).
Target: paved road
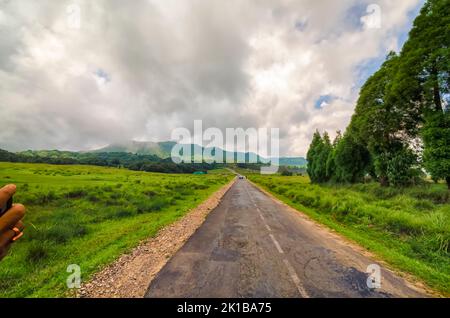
(253,246)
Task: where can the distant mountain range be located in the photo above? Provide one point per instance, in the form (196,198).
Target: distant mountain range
(293,161)
(163,150)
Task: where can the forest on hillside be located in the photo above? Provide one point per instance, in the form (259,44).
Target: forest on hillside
(148,163)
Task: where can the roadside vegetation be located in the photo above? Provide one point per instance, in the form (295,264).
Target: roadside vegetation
(407,227)
(89,216)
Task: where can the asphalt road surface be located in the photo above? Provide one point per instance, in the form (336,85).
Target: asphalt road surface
(253,246)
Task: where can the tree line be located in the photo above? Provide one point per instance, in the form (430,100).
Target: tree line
(148,163)
(401,124)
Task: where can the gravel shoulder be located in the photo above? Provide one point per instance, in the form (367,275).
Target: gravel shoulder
(132,273)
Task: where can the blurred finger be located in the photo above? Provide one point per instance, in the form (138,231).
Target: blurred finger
(18,235)
(20,226)
(6,240)
(12,217)
(6,192)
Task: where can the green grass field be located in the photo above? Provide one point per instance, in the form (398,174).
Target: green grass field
(89,216)
(409,228)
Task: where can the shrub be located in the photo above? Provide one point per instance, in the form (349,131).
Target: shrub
(286,173)
(150,193)
(45,198)
(282,190)
(76,194)
(198,186)
(36,253)
(59,233)
(107,189)
(425,205)
(401,223)
(115,195)
(305,199)
(93,198)
(124,213)
(158,204)
(385,193)
(439,195)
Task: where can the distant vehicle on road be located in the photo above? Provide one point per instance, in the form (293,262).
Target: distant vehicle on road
(241,177)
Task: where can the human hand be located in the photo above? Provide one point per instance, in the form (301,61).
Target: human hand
(11,225)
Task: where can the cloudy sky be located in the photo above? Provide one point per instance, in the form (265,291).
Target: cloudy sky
(122,70)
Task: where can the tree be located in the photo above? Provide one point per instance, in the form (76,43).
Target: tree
(331,164)
(436,138)
(384,125)
(423,82)
(423,76)
(312,155)
(400,167)
(285,172)
(352,160)
(323,152)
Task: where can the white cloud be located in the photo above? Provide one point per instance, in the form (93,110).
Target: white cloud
(137,70)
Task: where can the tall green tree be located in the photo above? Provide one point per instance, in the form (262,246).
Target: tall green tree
(380,123)
(323,152)
(423,83)
(312,156)
(351,159)
(331,164)
(423,75)
(436,138)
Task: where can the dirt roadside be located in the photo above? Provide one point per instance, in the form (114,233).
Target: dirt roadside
(131,274)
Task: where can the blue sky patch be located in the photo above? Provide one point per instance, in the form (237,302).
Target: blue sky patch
(353,16)
(364,70)
(322,100)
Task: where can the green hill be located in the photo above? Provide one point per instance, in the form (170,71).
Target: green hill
(163,150)
(160,149)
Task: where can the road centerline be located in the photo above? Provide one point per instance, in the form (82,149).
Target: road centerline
(277,245)
(295,278)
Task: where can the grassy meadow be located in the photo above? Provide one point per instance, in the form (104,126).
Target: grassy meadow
(407,227)
(89,216)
